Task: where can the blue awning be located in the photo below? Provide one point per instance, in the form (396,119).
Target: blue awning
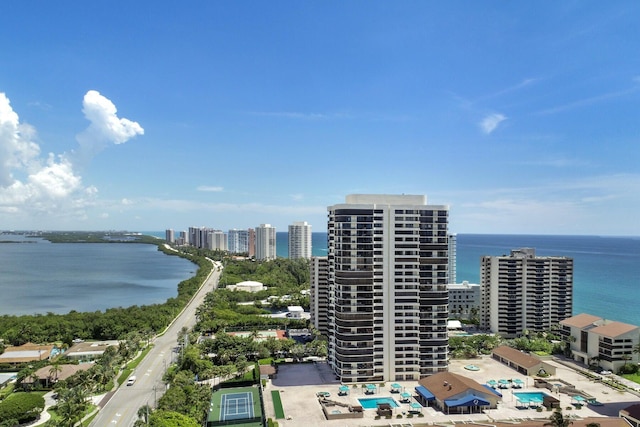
(492,390)
(469,400)
(423,392)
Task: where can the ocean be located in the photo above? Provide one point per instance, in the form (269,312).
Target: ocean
(606,269)
(41,278)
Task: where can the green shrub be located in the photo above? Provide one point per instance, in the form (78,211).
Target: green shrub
(21,407)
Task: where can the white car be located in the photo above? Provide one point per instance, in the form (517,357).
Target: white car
(131,380)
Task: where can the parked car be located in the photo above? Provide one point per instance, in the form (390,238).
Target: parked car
(323,394)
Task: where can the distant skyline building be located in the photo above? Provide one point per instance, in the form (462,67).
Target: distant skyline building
(300,240)
(523,292)
(169,236)
(252,242)
(216,240)
(265,242)
(387,288)
(238,241)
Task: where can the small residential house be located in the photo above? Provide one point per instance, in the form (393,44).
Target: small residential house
(29,352)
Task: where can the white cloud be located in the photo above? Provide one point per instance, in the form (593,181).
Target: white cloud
(32,184)
(491,122)
(210,188)
(105,123)
(105,128)
(297,197)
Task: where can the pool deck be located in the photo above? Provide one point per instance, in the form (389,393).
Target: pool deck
(301,406)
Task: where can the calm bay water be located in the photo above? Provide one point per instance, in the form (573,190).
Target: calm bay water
(44,277)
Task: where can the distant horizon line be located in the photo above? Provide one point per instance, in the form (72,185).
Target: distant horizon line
(147,232)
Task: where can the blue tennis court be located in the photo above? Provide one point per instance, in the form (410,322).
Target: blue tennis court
(236,406)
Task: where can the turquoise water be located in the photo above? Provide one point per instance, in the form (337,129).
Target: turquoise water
(525,397)
(606,269)
(372,402)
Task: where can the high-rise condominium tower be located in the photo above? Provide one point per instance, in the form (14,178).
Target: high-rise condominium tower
(238,241)
(318,295)
(300,240)
(265,242)
(522,292)
(388,300)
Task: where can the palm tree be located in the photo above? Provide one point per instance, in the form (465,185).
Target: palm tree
(54,370)
(558,420)
(143,413)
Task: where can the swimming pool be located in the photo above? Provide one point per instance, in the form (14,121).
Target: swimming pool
(372,402)
(530,397)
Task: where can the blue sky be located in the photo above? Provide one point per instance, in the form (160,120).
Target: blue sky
(523,117)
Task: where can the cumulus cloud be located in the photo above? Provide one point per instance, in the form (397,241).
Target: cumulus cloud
(33,184)
(491,122)
(105,127)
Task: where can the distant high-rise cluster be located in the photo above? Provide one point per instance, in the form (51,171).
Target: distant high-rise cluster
(235,241)
(207,238)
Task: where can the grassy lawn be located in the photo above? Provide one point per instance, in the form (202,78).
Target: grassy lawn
(632,377)
(126,372)
(277,404)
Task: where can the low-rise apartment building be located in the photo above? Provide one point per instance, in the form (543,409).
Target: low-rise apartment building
(597,341)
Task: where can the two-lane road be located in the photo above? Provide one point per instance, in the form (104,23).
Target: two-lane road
(122,408)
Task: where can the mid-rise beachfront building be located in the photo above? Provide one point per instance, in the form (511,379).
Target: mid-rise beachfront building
(319,293)
(599,342)
(265,242)
(523,292)
(388,299)
(300,240)
(464,300)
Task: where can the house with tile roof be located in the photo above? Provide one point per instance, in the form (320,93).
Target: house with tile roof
(28,352)
(597,341)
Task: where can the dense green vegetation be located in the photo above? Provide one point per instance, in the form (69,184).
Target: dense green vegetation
(20,408)
(228,310)
(467,347)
